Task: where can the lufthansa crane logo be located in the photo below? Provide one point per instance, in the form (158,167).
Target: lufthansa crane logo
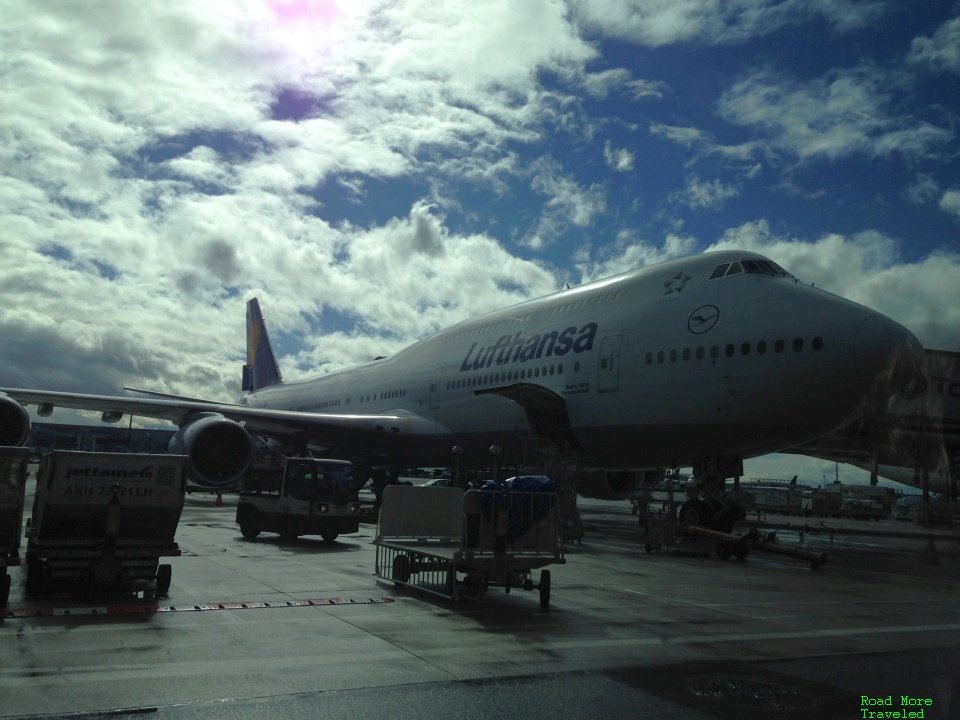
(703,318)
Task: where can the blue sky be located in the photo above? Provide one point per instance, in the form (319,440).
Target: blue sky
(374,171)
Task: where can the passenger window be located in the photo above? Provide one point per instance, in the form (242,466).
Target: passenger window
(761,347)
(686,353)
(778,346)
(797,344)
(700,353)
(660,356)
(818,343)
(673,356)
(649,358)
(729,350)
(745,349)
(714,351)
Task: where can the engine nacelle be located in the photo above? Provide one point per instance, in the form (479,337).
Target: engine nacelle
(14,422)
(612,485)
(219,450)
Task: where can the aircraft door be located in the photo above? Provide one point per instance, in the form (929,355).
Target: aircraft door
(435,381)
(608,379)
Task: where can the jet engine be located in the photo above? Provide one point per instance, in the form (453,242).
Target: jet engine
(610,485)
(14,422)
(219,450)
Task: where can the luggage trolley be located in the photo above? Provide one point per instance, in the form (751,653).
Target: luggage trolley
(13,483)
(427,537)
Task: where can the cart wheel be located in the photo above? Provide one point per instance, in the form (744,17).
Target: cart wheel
(401,568)
(35,578)
(288,531)
(249,527)
(329,536)
(164,575)
(740,551)
(724,550)
(544,589)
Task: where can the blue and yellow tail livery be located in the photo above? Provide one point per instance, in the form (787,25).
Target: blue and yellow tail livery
(261,369)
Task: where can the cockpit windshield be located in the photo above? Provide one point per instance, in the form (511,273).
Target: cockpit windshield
(763,267)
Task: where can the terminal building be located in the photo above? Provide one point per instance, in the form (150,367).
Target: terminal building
(97,438)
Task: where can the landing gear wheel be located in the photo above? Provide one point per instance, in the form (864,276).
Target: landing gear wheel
(544,589)
(329,536)
(164,575)
(724,550)
(249,527)
(288,531)
(695,513)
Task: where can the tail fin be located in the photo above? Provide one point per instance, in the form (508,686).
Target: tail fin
(261,369)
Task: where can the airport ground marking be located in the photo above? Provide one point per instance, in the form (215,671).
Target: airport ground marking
(30,612)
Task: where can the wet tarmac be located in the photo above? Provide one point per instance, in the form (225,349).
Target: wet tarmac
(265,628)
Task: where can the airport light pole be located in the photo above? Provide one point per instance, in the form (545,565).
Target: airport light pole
(457,452)
(495,451)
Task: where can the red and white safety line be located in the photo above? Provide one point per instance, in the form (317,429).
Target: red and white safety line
(28,612)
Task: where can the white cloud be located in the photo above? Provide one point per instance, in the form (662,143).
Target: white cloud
(950,203)
(148,190)
(709,194)
(568,205)
(661,22)
(848,111)
(924,189)
(942,51)
(620,159)
(687,136)
(630,253)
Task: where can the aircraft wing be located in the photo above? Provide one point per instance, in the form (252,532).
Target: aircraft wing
(257,421)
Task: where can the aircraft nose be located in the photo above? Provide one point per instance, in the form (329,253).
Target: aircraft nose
(888,355)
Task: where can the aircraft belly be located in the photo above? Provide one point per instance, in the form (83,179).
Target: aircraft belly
(668,445)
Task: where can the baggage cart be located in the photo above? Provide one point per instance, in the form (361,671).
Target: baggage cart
(428,537)
(13,483)
(104,519)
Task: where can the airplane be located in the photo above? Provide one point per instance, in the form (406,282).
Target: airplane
(696,362)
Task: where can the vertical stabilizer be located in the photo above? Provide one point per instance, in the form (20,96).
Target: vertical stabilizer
(261,369)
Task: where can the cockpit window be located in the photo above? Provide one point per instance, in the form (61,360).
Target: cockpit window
(719,270)
(763,267)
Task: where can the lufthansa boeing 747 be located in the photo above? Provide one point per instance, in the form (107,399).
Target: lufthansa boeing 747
(701,362)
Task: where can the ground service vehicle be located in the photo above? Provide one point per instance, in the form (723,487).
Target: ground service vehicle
(306,496)
(104,519)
